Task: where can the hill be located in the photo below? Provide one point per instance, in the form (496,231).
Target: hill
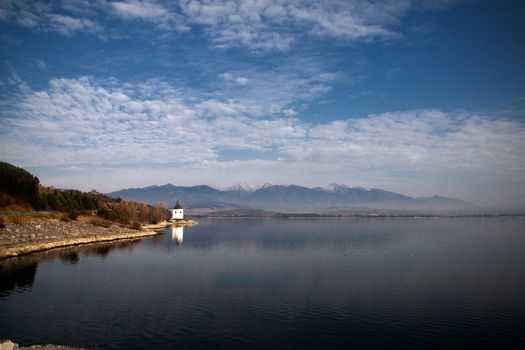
(22,191)
(18,187)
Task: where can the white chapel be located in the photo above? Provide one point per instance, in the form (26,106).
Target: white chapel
(177,213)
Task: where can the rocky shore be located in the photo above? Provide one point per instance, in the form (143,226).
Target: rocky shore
(9,345)
(40,235)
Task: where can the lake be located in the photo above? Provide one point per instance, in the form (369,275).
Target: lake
(432,283)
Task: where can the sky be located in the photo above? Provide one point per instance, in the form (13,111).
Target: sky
(418,97)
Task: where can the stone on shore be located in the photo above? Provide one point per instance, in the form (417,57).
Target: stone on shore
(8,345)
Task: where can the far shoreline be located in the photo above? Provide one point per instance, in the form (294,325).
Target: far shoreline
(353,217)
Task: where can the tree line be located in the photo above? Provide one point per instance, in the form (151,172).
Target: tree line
(20,189)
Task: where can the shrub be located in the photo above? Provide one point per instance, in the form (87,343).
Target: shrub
(2,225)
(106,214)
(73,214)
(17,219)
(102,212)
(65,217)
(136,225)
(6,200)
(124,221)
(100,222)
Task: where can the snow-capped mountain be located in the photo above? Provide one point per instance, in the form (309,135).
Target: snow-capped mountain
(248,187)
(289,198)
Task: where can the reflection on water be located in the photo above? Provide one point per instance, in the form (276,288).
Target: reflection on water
(18,274)
(380,283)
(70,258)
(175,233)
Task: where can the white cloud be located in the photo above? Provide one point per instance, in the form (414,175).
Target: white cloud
(242,80)
(275,25)
(82,7)
(163,15)
(237,80)
(28,19)
(139,9)
(67,25)
(259,25)
(229,108)
(285,90)
(47,16)
(79,122)
(351,20)
(15,80)
(289,112)
(40,64)
(419,140)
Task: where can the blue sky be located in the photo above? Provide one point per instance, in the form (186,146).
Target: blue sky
(420,97)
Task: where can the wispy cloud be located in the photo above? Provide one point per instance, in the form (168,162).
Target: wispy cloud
(164,17)
(139,9)
(15,80)
(67,25)
(49,16)
(105,124)
(276,25)
(259,25)
(286,89)
(240,80)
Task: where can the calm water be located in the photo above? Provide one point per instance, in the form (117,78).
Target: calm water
(377,283)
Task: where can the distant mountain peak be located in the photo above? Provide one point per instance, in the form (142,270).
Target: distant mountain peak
(168,185)
(248,187)
(333,187)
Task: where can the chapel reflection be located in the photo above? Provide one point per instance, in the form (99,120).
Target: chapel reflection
(176,234)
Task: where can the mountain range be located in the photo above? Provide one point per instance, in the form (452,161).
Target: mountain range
(333,198)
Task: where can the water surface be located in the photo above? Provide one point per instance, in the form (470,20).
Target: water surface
(366,283)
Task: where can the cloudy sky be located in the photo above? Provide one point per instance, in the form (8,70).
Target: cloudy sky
(419,97)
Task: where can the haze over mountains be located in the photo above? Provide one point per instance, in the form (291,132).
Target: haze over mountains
(333,198)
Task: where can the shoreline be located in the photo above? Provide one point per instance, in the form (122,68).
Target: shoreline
(164,224)
(37,236)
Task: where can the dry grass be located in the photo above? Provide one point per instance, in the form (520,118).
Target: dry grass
(16,208)
(96,221)
(86,217)
(14,219)
(136,225)
(21,219)
(65,217)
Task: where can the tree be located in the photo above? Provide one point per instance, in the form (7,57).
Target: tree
(143,213)
(158,213)
(123,212)
(20,183)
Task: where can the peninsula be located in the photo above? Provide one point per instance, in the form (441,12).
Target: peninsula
(38,235)
(35,218)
